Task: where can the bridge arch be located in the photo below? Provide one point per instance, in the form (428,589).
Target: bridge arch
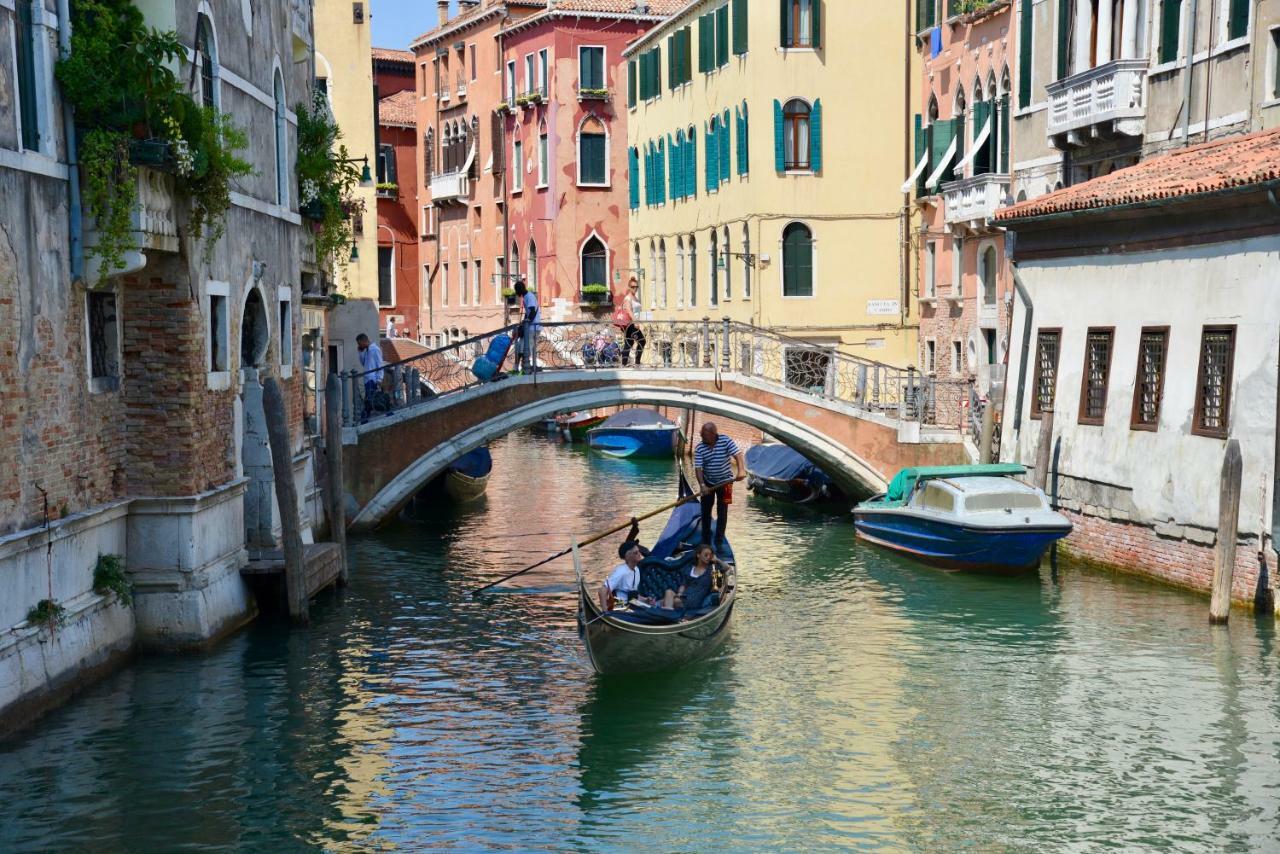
(851,471)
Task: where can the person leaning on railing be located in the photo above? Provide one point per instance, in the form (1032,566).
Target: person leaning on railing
(371,364)
(527,333)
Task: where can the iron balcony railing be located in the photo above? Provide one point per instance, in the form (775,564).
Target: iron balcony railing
(750,352)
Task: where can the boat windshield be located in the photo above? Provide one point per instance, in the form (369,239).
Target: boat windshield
(936,497)
(1002,501)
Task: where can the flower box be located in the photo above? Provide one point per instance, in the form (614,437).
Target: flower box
(153,153)
(313,210)
(593,94)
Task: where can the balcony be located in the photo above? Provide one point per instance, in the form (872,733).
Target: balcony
(155,226)
(450,187)
(971,202)
(461,89)
(300,25)
(1102,102)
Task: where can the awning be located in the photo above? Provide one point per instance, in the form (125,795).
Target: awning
(977,145)
(942,165)
(488,164)
(915,174)
(471,157)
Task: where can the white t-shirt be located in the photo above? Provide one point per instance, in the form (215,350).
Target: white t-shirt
(623,579)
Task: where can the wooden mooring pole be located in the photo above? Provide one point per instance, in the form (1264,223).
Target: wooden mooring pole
(287,498)
(1224,555)
(335,492)
(1044,449)
(987,436)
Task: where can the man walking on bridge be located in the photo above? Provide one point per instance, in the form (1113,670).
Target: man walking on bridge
(530,326)
(711,463)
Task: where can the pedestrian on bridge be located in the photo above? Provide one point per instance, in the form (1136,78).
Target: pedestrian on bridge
(718,462)
(371,363)
(625,319)
(530,326)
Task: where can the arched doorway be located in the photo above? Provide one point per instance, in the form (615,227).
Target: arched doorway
(255,331)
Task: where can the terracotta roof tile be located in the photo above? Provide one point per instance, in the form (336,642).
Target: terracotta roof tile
(399,349)
(476,11)
(399,109)
(1237,161)
(655,7)
(386,54)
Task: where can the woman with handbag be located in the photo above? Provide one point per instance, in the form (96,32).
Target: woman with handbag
(625,319)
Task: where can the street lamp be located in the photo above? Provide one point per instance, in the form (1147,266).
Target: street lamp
(722,258)
(366,177)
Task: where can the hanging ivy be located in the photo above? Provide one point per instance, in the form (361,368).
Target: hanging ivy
(326,182)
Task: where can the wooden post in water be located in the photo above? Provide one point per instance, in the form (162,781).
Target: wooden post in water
(335,495)
(988,433)
(1224,554)
(287,497)
(1044,449)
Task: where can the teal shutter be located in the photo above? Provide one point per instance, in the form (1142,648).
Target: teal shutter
(815,135)
(1025,36)
(660,161)
(691,167)
(1064,36)
(704,43)
(726,162)
(920,143)
(673,73)
(710,169)
(1004,135)
(633,176)
(739,27)
(815,18)
(779,147)
(670,166)
(1170,29)
(784,21)
(1238,22)
(722,36)
(631,83)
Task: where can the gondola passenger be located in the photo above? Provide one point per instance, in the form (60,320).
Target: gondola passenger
(623,584)
(696,582)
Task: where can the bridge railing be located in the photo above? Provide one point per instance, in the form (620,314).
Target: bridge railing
(713,346)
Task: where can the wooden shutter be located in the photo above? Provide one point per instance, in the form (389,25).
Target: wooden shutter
(1238,23)
(657,71)
(958,133)
(940,135)
(815,18)
(739,27)
(631,83)
(921,144)
(1004,135)
(1025,36)
(670,167)
(1170,29)
(633,176)
(691,168)
(784,22)
(725,154)
(722,36)
(711,169)
(815,135)
(673,73)
(686,54)
(1064,33)
(779,137)
(660,161)
(499,148)
(982,158)
(704,43)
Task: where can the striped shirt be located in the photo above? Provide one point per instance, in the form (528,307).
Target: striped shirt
(713,460)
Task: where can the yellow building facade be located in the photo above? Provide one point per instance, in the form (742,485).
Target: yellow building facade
(767,145)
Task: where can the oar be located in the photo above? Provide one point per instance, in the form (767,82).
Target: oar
(592,539)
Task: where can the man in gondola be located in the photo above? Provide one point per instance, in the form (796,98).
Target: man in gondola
(718,462)
(623,584)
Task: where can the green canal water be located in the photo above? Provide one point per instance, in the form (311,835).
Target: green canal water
(861,701)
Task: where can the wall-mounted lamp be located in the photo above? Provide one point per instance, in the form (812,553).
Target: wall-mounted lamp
(366,177)
(722,259)
(355,252)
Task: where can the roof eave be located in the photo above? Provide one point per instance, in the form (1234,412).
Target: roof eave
(1147,204)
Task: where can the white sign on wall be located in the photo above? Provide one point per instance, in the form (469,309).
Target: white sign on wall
(883,306)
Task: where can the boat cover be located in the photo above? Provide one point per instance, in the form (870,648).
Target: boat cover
(779,462)
(477,463)
(636,418)
(904,483)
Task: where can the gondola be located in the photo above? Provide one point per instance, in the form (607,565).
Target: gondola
(637,641)
(468,476)
(777,471)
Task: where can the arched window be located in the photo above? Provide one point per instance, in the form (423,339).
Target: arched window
(681,286)
(515,264)
(715,277)
(795,121)
(693,271)
(635,268)
(207,49)
(282,150)
(746,261)
(429,153)
(593,153)
(982,120)
(531,274)
(988,273)
(797,261)
(1002,125)
(472,150)
(595,262)
(446,148)
(933,109)
(728,266)
(662,274)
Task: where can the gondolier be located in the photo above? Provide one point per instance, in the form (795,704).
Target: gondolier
(718,462)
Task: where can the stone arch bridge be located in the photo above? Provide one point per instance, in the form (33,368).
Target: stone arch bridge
(860,420)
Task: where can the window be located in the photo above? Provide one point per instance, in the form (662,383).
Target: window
(531,266)
(722,36)
(1275,63)
(934,496)
(428,153)
(957,266)
(543,71)
(104,341)
(511,83)
(930,357)
(1170,29)
(476,279)
(795,117)
(386,164)
(650,74)
(219,333)
(1236,25)
(989,267)
(590,68)
(208,52)
(517,166)
(714,267)
(957,358)
(385,291)
(473,62)
(1097,375)
(662,274)
(1213,382)
(592,153)
(543,155)
(797,261)
(595,262)
(28,100)
(746,261)
(530,81)
(282,155)
(728,266)
(444,284)
(1148,385)
(515,264)
(435,73)
(930,269)
(1046,381)
(285,310)
(693,271)
(463,281)
(632,84)
(801,23)
(653,274)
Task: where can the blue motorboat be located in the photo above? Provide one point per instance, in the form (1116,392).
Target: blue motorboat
(635,433)
(780,472)
(963,518)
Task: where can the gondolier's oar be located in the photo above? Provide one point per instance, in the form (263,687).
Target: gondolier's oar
(595,538)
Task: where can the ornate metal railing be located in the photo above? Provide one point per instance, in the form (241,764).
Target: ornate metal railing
(720,347)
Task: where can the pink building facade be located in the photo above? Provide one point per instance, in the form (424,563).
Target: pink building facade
(962,149)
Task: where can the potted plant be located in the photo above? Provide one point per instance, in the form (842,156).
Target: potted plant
(509,296)
(593,94)
(595,293)
(326,182)
(388,189)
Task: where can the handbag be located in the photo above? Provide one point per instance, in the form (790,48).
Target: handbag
(622,317)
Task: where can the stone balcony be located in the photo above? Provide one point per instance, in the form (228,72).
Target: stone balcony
(971,202)
(1102,102)
(154,221)
(450,187)
(300,26)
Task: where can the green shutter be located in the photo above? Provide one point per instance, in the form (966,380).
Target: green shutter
(779,146)
(1025,36)
(672,189)
(722,36)
(742,138)
(815,18)
(686,54)
(1170,29)
(705,45)
(1064,37)
(815,135)
(1004,135)
(691,168)
(633,177)
(711,169)
(24,38)
(920,143)
(784,23)
(631,83)
(1238,23)
(925,18)
(660,157)
(725,154)
(673,73)
(739,27)
(657,71)
(958,131)
(940,135)
(981,159)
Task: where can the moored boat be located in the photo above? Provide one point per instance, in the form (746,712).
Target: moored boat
(468,476)
(645,640)
(963,518)
(777,471)
(574,425)
(635,433)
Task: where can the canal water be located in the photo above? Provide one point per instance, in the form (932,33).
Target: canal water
(861,701)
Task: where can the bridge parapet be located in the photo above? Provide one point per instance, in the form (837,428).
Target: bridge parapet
(901,394)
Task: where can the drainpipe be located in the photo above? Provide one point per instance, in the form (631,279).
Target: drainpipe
(1022,364)
(75,220)
(1186,96)
(506,172)
(908,156)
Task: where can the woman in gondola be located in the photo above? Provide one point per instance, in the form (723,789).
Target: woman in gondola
(697,582)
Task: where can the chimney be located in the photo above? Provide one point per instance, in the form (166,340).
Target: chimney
(442,8)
